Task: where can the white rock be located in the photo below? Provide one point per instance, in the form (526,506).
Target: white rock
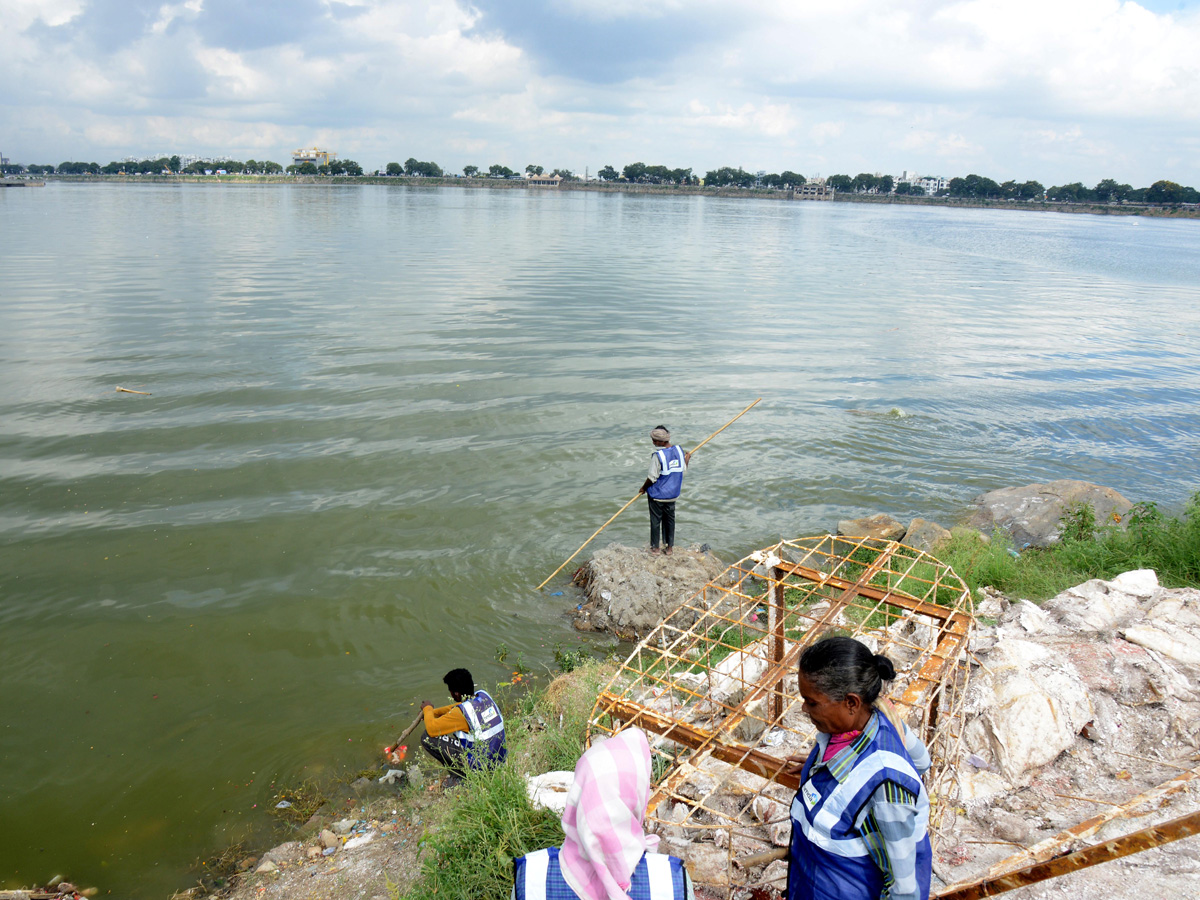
(1093,606)
(707,864)
(776,817)
(736,674)
(775,874)
(342,826)
(1034,704)
(1140,582)
(1170,640)
(267,868)
(1031,618)
(549,790)
(979,784)
(1181,608)
(755,722)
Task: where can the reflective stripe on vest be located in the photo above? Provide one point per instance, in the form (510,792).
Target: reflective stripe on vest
(538,876)
(830,859)
(487,728)
(670,477)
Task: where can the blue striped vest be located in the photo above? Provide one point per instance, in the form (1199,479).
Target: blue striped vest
(484,743)
(670,476)
(537,876)
(830,859)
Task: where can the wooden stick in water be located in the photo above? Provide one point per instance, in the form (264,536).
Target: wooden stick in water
(407,731)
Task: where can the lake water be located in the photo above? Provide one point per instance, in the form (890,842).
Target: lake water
(379,417)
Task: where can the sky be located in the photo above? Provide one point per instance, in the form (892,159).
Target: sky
(1051,90)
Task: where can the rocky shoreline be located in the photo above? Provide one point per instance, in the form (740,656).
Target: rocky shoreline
(1082,703)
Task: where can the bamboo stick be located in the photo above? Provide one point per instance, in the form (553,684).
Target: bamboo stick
(1147,838)
(638,494)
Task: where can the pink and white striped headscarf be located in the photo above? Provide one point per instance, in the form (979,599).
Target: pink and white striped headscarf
(603,820)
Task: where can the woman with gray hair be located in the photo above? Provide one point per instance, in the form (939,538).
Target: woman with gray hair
(861,817)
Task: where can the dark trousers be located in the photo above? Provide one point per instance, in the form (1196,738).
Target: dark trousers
(662,517)
(447,751)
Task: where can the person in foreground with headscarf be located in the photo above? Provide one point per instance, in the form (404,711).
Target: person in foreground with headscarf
(663,486)
(607,855)
(860,819)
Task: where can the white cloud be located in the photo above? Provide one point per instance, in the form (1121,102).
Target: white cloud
(827,131)
(1048,90)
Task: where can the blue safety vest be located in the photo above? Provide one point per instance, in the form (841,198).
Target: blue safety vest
(670,477)
(484,743)
(830,858)
(537,876)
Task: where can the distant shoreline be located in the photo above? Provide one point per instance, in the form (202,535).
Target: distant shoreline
(1181,211)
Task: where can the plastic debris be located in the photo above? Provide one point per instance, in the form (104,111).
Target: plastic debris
(979,762)
(360,840)
(282,804)
(557,594)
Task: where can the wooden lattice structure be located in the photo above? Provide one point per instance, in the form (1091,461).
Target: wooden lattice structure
(714,685)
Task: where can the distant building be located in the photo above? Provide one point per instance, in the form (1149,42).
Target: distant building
(933,184)
(313,155)
(816,189)
(930,184)
(545,180)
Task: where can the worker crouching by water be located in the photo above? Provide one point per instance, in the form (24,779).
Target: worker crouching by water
(860,819)
(467,734)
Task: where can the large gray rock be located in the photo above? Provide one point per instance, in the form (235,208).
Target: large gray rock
(1032,514)
(879,527)
(925,535)
(629,591)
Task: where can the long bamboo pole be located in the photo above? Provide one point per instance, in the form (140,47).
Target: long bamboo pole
(635,496)
(1147,838)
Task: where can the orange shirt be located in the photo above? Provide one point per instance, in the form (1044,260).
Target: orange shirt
(445,720)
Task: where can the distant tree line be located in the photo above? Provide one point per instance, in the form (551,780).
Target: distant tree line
(333,167)
(164,165)
(970,187)
(640,173)
(979,187)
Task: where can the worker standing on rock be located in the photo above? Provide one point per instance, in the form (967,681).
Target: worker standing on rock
(860,819)
(662,487)
(469,733)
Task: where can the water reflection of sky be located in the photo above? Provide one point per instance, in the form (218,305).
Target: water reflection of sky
(377,417)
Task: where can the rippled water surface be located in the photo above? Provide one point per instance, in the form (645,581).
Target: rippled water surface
(378,417)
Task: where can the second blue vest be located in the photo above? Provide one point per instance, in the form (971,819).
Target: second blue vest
(485,741)
(670,477)
(538,876)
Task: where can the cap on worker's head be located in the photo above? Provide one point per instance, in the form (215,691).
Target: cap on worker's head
(660,434)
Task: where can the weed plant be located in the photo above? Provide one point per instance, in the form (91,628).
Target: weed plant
(1146,539)
(1149,540)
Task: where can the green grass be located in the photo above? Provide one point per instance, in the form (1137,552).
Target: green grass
(485,823)
(1149,539)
